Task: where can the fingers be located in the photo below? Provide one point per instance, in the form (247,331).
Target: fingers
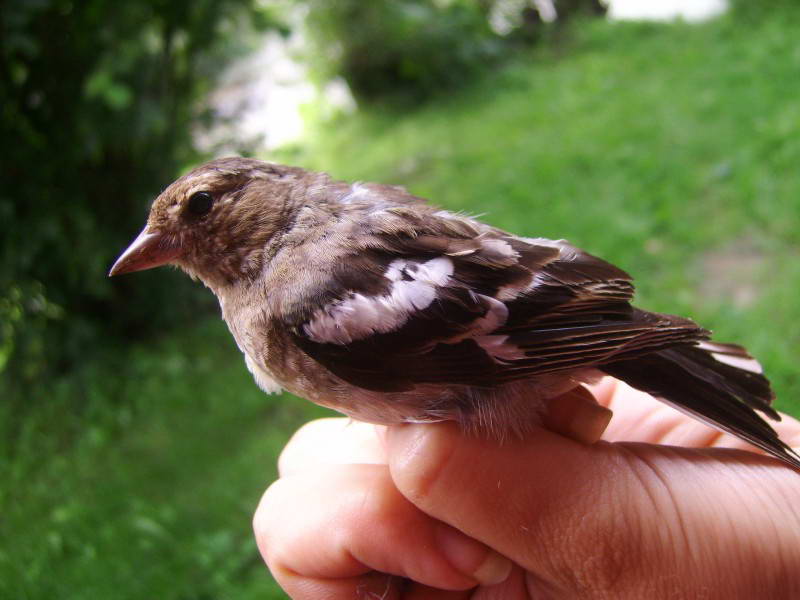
(519,497)
(641,417)
(604,390)
(575,415)
(592,519)
(332,441)
(325,534)
(578,416)
(334,529)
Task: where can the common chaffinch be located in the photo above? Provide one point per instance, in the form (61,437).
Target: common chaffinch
(365,299)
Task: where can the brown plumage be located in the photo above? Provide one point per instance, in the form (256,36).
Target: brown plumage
(366,299)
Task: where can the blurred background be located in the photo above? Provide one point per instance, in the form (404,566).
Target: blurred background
(134,446)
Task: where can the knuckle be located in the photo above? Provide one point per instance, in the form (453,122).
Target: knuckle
(598,553)
(264,522)
(376,509)
(307,437)
(424,462)
(603,562)
(312,428)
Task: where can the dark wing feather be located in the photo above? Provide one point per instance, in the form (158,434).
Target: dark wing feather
(512,308)
(690,379)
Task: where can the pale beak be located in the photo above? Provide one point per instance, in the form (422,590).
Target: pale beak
(150,249)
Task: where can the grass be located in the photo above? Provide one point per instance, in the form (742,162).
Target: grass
(666,149)
(138,477)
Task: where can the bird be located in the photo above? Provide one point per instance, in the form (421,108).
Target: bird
(366,299)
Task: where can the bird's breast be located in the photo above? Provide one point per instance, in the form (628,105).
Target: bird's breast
(264,379)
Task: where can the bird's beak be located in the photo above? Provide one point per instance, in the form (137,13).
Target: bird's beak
(150,249)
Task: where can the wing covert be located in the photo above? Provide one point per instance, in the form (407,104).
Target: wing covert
(473,306)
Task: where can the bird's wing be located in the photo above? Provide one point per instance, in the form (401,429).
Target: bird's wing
(467,304)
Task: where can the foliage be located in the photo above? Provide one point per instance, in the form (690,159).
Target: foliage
(411,48)
(752,12)
(97,104)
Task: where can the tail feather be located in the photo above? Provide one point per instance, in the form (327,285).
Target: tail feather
(720,384)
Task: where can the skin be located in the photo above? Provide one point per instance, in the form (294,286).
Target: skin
(676,510)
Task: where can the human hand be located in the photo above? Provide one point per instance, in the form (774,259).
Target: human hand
(426,512)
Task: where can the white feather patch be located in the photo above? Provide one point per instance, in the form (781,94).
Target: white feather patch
(500,247)
(511,291)
(413,288)
(358,192)
(497,347)
(746,363)
(263,379)
(496,315)
(565,251)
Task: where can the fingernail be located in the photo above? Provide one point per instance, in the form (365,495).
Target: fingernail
(588,424)
(471,557)
(416,444)
(577,416)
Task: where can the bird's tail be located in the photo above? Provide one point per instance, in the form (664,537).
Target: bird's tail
(720,384)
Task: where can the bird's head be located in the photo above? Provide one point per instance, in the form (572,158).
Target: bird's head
(216,221)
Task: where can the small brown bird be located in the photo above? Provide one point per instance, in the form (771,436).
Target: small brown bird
(365,299)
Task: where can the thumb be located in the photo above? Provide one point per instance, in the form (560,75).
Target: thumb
(586,521)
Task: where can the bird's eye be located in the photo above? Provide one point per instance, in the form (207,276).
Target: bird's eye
(200,203)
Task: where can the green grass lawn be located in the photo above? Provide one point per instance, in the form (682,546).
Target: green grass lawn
(142,485)
(672,151)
